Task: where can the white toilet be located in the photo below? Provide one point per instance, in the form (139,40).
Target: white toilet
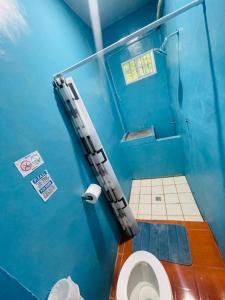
(143,277)
(65,289)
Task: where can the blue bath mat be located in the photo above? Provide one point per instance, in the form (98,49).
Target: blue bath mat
(166,241)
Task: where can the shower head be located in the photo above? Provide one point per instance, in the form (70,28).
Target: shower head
(161,50)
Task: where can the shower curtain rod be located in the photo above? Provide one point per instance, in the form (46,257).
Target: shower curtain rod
(131,36)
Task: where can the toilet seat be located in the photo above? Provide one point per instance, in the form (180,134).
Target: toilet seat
(154,266)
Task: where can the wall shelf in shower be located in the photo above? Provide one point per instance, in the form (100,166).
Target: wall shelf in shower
(139,134)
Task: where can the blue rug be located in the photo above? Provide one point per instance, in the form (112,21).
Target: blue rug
(166,241)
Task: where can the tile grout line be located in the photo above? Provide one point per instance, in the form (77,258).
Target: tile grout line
(146,203)
(138,202)
(164,200)
(151,202)
(150,186)
(179,201)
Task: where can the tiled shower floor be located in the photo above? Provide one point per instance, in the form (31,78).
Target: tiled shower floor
(167,198)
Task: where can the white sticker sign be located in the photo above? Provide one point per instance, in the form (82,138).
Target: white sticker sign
(29,163)
(44,185)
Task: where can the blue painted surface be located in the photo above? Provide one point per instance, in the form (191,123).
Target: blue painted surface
(198,97)
(150,158)
(146,102)
(10,288)
(44,242)
(131,23)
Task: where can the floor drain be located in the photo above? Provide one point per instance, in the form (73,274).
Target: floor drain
(158,198)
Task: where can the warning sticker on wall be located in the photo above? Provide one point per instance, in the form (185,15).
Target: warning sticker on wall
(44,185)
(29,163)
(139,67)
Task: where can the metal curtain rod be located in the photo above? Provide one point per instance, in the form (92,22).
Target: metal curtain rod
(131,36)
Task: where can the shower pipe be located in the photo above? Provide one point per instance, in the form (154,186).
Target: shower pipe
(162,50)
(131,36)
(159,8)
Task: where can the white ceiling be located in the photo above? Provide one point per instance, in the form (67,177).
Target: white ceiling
(110,10)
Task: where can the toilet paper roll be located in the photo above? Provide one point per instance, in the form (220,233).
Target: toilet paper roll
(92,193)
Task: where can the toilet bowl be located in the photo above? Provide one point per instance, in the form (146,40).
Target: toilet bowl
(143,277)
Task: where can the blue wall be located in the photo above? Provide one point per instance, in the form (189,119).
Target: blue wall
(10,288)
(130,23)
(196,68)
(146,102)
(44,242)
(149,157)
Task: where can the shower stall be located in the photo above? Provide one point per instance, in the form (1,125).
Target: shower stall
(135,83)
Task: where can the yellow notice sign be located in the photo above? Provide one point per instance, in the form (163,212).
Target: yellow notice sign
(139,67)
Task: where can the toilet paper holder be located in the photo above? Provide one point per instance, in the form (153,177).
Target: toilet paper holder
(85,197)
(92,193)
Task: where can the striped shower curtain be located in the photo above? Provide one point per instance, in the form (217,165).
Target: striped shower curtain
(95,153)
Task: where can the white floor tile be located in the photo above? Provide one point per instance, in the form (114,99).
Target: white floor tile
(135,190)
(146,182)
(176,218)
(145,190)
(146,199)
(193,218)
(174,209)
(156,181)
(157,190)
(158,210)
(190,209)
(163,198)
(136,182)
(183,188)
(180,179)
(186,198)
(134,208)
(168,181)
(144,209)
(156,217)
(171,198)
(144,217)
(158,199)
(134,199)
(169,189)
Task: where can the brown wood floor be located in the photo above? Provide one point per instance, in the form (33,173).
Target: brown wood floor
(204,280)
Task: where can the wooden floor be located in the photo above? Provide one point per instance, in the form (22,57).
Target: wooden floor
(204,280)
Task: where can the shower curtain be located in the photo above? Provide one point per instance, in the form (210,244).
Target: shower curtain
(95,153)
